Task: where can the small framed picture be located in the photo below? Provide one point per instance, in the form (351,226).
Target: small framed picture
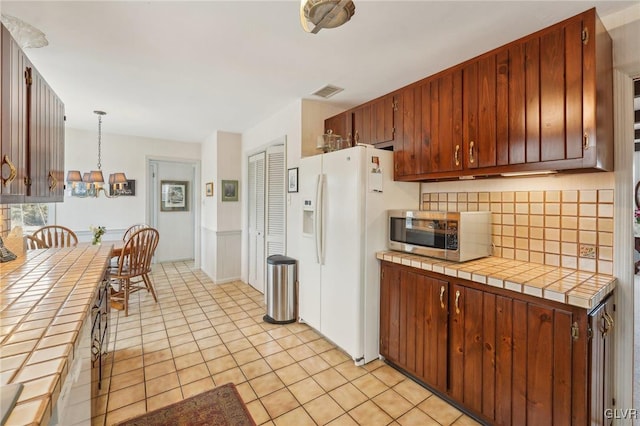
(229,190)
(174,196)
(292,180)
(209,189)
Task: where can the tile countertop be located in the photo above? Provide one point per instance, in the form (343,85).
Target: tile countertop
(45,297)
(570,286)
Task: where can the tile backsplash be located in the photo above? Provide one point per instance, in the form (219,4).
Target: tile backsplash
(568,228)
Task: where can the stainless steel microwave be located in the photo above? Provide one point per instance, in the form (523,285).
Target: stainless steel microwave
(457,236)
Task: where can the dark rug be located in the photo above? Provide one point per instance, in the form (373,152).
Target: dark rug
(220,406)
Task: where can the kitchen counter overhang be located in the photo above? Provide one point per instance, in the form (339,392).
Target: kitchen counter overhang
(45,299)
(570,286)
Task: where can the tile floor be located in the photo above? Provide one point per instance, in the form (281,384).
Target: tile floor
(200,335)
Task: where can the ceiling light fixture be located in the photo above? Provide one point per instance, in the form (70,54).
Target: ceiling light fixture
(325,13)
(90,184)
(24,34)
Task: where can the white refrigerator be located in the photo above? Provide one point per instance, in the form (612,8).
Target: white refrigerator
(345,198)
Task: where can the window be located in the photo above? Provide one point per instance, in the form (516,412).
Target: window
(30,216)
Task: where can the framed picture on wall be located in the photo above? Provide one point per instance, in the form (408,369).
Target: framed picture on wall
(119,189)
(174,196)
(229,190)
(292,180)
(209,189)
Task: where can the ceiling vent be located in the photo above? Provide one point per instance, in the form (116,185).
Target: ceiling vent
(328,91)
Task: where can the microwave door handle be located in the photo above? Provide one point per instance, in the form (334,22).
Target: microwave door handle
(316,218)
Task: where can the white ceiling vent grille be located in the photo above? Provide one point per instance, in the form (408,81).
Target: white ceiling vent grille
(328,91)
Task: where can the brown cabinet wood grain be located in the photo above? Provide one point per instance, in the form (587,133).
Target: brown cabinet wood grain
(503,357)
(32,133)
(543,102)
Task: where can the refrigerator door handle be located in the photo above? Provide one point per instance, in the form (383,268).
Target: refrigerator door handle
(320,207)
(318,217)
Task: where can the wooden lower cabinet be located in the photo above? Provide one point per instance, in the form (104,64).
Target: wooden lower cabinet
(504,358)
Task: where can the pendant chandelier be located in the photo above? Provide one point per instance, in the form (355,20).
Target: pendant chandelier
(91,183)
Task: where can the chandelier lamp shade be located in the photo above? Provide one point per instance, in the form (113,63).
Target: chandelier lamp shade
(91,183)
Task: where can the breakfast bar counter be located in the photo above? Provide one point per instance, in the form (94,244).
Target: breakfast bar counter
(46,297)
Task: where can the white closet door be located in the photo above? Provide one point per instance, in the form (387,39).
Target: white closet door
(276,201)
(257,259)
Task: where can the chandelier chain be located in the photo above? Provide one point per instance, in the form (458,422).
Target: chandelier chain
(99,141)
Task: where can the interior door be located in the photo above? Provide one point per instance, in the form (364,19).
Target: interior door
(276,201)
(177,226)
(256,206)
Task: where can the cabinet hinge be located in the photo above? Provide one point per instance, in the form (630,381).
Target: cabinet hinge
(585,36)
(27,181)
(574,331)
(589,333)
(382,274)
(395,105)
(27,76)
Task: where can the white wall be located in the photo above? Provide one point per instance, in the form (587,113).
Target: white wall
(119,153)
(299,122)
(221,221)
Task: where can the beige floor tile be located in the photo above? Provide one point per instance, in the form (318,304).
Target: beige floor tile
(258,413)
(370,414)
(279,402)
(348,396)
(442,412)
(201,335)
(465,421)
(126,412)
(255,369)
(292,374)
(298,417)
(417,417)
(279,360)
(159,369)
(266,384)
(127,379)
(164,399)
(323,409)
(388,375)
(221,364)
(162,384)
(412,392)
(245,356)
(329,379)
(314,365)
(188,360)
(370,385)
(125,396)
(306,390)
(393,403)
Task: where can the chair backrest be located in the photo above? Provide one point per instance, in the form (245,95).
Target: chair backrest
(137,252)
(34,243)
(132,229)
(56,236)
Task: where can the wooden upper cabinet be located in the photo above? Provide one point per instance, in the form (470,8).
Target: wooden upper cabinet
(382,115)
(46,143)
(361,117)
(339,124)
(32,131)
(544,102)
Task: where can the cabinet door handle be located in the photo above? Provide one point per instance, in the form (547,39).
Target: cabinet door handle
(456,155)
(607,324)
(471,159)
(457,301)
(53,182)
(585,141)
(441,296)
(13,172)
(356,138)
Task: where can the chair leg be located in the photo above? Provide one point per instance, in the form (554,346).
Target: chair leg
(147,283)
(125,284)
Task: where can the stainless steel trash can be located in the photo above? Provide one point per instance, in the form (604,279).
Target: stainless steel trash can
(281,291)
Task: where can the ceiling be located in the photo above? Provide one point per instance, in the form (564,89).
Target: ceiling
(181,70)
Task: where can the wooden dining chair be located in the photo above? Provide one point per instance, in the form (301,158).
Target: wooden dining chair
(56,236)
(131,274)
(132,229)
(34,243)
